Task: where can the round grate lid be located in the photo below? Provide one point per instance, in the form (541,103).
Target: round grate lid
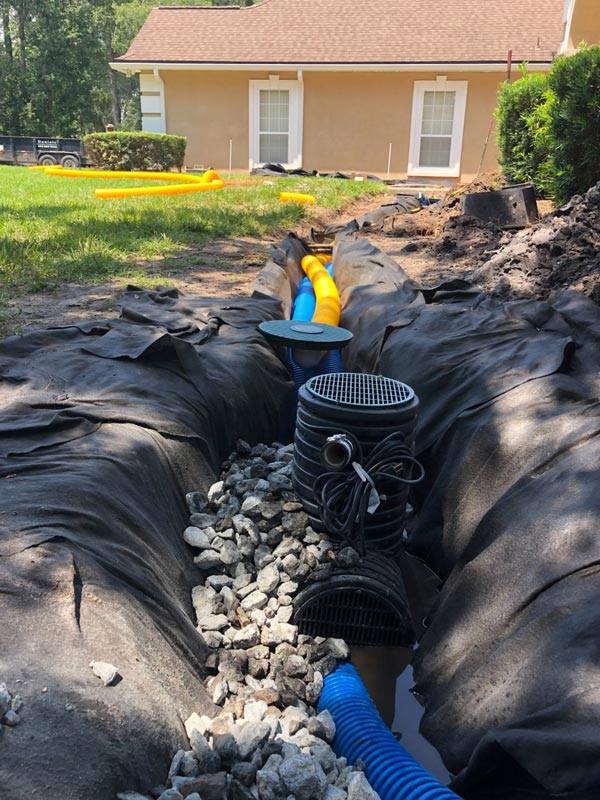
(358,389)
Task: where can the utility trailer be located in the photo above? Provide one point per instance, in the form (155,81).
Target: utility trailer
(43,150)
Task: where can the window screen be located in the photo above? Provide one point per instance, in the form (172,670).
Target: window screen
(436,129)
(274,125)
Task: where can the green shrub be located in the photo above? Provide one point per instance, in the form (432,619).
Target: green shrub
(151,152)
(523,115)
(575,122)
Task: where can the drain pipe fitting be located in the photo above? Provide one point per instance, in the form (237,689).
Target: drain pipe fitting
(361,733)
(338,452)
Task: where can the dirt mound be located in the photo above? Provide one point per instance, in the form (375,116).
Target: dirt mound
(452,202)
(464,237)
(562,251)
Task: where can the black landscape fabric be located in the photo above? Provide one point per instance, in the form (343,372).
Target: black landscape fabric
(105,426)
(509,516)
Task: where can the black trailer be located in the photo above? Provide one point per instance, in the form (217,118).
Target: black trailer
(43,150)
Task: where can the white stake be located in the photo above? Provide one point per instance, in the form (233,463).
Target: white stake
(230,155)
(389,161)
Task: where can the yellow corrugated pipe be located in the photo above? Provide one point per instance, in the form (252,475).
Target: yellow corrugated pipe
(328,305)
(185,183)
(296,197)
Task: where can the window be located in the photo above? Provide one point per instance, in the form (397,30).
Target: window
(275,123)
(437,127)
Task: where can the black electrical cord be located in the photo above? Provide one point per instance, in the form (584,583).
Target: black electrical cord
(343,497)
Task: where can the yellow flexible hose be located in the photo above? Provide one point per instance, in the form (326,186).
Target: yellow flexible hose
(296,197)
(185,183)
(328,305)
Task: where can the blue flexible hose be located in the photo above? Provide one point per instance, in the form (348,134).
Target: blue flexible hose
(305,301)
(304,307)
(361,733)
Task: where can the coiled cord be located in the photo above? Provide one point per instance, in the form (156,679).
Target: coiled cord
(345,497)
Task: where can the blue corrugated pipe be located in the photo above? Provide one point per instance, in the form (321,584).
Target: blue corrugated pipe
(303,310)
(361,733)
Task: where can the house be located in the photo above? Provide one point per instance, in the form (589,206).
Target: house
(582,24)
(379,86)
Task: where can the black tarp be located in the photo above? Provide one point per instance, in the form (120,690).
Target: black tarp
(104,428)
(509,516)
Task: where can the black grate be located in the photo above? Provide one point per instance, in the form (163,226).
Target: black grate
(361,390)
(360,618)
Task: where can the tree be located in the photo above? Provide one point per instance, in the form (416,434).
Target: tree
(55,77)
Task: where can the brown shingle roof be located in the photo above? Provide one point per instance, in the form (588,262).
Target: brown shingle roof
(353,32)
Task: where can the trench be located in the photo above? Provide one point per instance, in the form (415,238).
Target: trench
(108,425)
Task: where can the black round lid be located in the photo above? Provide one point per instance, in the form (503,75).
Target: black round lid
(305,335)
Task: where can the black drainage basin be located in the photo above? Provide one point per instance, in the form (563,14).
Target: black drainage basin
(366,605)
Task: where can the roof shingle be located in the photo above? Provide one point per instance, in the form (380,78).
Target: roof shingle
(352,32)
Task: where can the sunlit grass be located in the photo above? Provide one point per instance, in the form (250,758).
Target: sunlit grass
(53,230)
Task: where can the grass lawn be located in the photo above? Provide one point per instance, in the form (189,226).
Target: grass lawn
(54,230)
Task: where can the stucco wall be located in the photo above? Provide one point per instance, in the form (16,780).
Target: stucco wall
(585,25)
(349,118)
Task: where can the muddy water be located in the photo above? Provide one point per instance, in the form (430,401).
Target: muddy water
(387,675)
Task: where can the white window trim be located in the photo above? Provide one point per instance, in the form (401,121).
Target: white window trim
(458,125)
(296,89)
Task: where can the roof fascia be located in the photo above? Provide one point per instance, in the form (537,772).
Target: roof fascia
(132,67)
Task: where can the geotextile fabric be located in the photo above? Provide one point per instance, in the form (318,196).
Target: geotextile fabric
(105,426)
(509,515)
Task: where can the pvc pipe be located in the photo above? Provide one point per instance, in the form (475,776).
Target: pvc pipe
(389,161)
(328,306)
(295,197)
(361,734)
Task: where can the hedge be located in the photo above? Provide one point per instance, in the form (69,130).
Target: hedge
(523,131)
(151,152)
(549,126)
(575,122)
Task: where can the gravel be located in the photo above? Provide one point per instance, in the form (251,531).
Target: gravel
(255,549)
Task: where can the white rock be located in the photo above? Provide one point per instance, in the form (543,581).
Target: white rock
(287,587)
(245,525)
(217,582)
(213,639)
(246,590)
(241,581)
(258,616)
(218,689)
(195,722)
(284,613)
(334,793)
(230,554)
(277,632)
(212,622)
(359,788)
(196,537)
(255,710)
(268,578)
(322,726)
(246,637)
(208,559)
(337,648)
(216,491)
(256,599)
(107,673)
(229,599)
